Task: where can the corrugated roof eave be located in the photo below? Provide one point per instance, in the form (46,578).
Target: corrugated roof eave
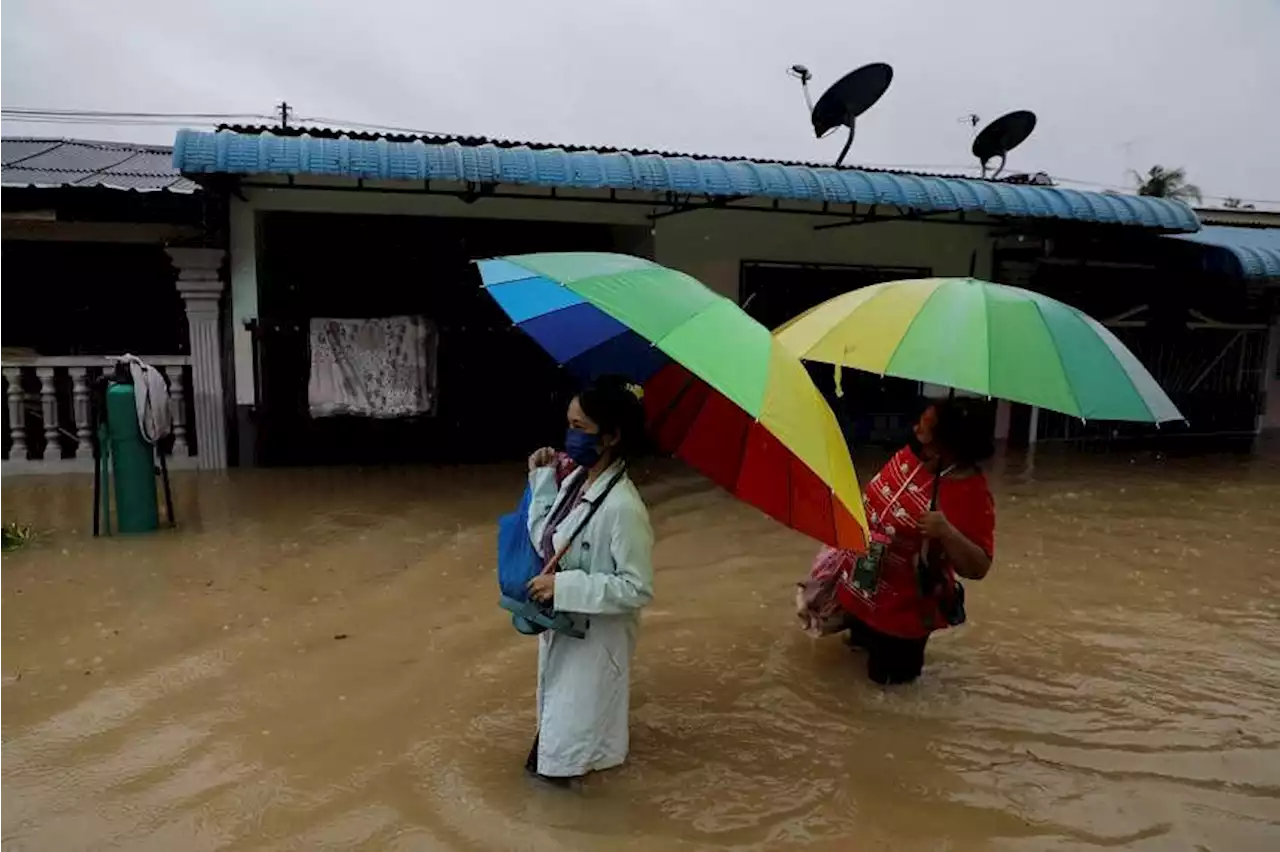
(1253,253)
(197,152)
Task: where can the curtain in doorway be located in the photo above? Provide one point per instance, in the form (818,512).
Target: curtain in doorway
(383,367)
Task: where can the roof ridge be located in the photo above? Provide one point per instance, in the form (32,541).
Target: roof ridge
(473,140)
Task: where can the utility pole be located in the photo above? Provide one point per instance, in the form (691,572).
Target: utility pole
(285,111)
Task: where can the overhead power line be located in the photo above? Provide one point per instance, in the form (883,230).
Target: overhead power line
(283,117)
(109,114)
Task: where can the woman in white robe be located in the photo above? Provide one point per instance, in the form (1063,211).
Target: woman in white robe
(602,581)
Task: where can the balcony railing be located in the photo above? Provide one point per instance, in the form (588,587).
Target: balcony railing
(46,419)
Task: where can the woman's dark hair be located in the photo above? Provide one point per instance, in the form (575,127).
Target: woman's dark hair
(613,405)
(965,429)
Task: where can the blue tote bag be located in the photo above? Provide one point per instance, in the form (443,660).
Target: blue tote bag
(519,562)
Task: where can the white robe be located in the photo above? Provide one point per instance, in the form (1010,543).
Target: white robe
(603,581)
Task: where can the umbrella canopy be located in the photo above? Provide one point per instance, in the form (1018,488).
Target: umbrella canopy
(985,338)
(720,392)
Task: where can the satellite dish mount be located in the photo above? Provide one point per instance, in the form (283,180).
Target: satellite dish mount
(1001,136)
(850,96)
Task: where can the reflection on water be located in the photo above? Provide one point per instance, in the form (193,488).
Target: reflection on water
(314,660)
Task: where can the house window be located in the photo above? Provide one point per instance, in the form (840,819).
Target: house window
(776,292)
(869,408)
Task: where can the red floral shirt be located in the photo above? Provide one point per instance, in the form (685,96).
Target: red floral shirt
(895,499)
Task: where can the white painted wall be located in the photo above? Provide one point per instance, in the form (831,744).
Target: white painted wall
(1270,420)
(418,204)
(710,244)
(244,295)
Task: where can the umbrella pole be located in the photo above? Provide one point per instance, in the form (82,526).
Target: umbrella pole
(929,575)
(937,479)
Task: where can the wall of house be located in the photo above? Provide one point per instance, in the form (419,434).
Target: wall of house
(708,244)
(1270,421)
(244,237)
(711,244)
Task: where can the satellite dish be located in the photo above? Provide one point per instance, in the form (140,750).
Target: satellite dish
(850,96)
(1001,136)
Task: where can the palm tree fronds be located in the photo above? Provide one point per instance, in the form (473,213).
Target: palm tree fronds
(1161,182)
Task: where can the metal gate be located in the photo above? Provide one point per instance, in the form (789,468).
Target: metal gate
(1213,371)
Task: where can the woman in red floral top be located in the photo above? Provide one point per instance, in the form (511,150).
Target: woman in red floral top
(932,521)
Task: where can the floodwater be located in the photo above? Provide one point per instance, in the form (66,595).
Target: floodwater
(314,661)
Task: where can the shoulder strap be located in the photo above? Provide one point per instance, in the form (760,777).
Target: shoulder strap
(937,484)
(592,506)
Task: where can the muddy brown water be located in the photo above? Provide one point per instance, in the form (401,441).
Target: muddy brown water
(314,661)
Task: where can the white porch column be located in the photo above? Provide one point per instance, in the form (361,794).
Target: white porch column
(1004,410)
(1269,420)
(200,283)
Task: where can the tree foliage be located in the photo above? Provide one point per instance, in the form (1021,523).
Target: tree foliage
(1161,182)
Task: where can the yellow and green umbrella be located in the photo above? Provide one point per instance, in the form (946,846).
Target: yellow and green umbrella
(985,338)
(719,391)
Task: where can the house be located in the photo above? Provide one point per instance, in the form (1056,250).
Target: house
(106,251)
(1242,246)
(321,223)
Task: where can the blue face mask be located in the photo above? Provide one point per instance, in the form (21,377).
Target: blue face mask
(582,447)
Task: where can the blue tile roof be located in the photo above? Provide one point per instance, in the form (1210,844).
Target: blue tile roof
(1252,253)
(231,152)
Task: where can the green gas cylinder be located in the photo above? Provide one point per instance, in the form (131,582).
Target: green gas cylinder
(132,463)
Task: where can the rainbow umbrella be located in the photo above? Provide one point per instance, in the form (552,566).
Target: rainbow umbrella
(720,393)
(985,338)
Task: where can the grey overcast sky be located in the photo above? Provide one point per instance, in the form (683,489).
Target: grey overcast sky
(1117,84)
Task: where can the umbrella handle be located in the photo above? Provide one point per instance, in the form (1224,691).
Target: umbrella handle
(926,550)
(937,478)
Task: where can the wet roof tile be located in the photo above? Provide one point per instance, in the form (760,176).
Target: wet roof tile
(53,163)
